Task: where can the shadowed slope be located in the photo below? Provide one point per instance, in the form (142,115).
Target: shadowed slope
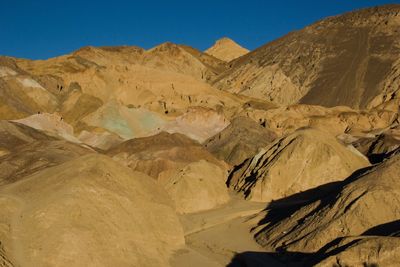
(302,160)
(364,200)
(340,60)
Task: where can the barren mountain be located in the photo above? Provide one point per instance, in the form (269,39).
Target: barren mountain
(162,152)
(344,60)
(363,201)
(111,89)
(226,49)
(123,156)
(314,157)
(192,176)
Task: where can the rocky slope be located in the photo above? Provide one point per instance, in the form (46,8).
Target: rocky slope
(380,146)
(363,251)
(344,60)
(338,121)
(240,140)
(226,49)
(363,201)
(192,176)
(314,157)
(123,91)
(25,151)
(121,156)
(162,152)
(197,186)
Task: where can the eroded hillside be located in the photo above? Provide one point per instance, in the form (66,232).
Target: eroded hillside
(287,155)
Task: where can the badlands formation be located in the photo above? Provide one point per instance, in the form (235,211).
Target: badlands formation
(226,49)
(288,155)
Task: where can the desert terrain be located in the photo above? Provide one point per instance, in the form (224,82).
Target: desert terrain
(287,155)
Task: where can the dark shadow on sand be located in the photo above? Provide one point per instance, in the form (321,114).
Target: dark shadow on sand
(264,259)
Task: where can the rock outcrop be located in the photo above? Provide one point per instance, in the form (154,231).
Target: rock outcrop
(197,186)
(363,201)
(240,140)
(300,161)
(192,176)
(162,152)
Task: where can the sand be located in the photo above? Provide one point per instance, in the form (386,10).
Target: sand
(213,238)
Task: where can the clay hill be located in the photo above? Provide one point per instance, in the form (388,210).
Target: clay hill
(352,216)
(287,155)
(240,140)
(226,49)
(347,60)
(77,213)
(314,157)
(193,177)
(123,91)
(25,150)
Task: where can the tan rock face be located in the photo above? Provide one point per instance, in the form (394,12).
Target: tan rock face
(103,139)
(50,123)
(336,121)
(26,151)
(162,152)
(198,186)
(226,50)
(192,176)
(125,91)
(378,147)
(198,124)
(364,201)
(300,161)
(13,134)
(240,140)
(37,156)
(22,93)
(88,212)
(342,60)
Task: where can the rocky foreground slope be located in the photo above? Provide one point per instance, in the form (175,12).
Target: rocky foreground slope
(357,206)
(78,213)
(295,163)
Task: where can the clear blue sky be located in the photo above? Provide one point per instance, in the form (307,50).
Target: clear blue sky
(40,29)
